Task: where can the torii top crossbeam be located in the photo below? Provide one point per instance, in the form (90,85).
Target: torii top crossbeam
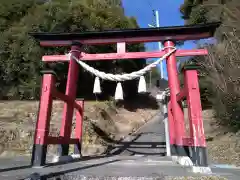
(189,32)
(174,33)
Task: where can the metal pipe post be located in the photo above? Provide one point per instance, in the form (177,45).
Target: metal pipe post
(165,115)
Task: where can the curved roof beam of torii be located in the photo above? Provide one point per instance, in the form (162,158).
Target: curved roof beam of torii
(174,33)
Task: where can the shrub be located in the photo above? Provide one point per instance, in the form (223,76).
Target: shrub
(223,79)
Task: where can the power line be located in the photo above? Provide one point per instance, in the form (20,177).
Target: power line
(152,9)
(150,4)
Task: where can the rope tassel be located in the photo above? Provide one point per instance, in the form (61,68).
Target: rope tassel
(97,86)
(142,87)
(119,92)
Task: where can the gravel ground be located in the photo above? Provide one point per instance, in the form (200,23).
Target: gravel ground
(196,178)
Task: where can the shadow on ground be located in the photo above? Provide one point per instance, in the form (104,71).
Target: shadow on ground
(143,101)
(114,148)
(118,147)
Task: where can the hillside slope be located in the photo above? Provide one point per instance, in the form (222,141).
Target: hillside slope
(223,146)
(18,119)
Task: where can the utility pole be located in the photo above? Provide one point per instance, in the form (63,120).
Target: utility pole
(159,43)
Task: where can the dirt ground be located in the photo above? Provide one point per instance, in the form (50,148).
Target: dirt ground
(223,146)
(18,119)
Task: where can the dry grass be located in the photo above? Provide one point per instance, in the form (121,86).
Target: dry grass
(223,146)
(18,119)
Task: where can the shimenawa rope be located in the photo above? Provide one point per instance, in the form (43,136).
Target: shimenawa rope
(122,77)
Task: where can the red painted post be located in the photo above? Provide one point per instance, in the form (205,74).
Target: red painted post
(71,89)
(125,55)
(78,128)
(174,86)
(198,149)
(43,121)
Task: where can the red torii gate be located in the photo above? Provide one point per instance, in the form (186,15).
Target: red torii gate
(178,139)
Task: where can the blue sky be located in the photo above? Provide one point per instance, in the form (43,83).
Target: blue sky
(142,11)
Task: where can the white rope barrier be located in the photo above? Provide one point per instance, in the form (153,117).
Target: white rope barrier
(121,77)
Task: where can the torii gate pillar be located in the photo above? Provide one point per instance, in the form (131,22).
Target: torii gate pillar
(177,111)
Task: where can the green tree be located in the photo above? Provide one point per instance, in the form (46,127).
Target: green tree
(21,55)
(222,65)
(12,11)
